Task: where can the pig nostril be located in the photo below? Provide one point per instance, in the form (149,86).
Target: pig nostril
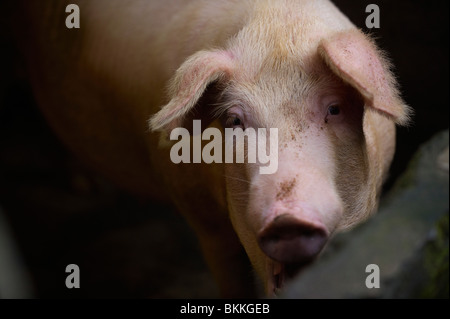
(289,240)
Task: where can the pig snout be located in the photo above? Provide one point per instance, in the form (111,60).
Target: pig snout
(290,240)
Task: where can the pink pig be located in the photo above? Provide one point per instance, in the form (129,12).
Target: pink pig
(296,65)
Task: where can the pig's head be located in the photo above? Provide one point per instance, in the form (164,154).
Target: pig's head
(335,105)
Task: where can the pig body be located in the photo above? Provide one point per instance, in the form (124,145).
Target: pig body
(299,66)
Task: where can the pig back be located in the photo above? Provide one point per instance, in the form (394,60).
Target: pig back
(98,85)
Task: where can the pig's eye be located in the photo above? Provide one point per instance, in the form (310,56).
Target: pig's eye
(234,122)
(334,109)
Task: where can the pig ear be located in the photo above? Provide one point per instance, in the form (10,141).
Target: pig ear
(355,58)
(188,85)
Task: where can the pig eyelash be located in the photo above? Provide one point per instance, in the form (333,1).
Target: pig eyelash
(237,179)
(231,113)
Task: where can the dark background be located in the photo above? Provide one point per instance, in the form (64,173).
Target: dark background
(60,212)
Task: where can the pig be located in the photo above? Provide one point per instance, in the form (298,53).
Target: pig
(115,88)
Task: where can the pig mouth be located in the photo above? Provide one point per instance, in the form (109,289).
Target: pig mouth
(281,273)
